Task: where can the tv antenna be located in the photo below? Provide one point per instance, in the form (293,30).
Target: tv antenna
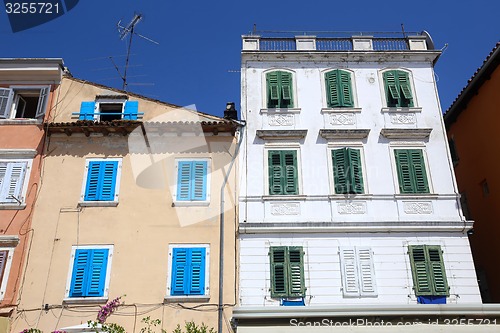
(129,31)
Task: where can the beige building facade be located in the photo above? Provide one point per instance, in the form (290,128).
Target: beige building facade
(135,199)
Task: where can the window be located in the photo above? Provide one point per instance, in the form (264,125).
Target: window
(101,182)
(193,180)
(427,266)
(23,102)
(453,151)
(287,271)
(90,270)
(347,171)
(358,273)
(5,264)
(109,109)
(338,89)
(410,166)
(279,90)
(397,89)
(283,173)
(13,176)
(189,270)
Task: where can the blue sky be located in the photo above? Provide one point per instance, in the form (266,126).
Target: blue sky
(198,59)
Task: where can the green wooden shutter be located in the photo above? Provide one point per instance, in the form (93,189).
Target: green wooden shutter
(356,172)
(404,84)
(286,89)
(296,271)
(438,274)
(272,89)
(420,271)
(345,87)
(279,272)
(291,174)
(405,176)
(276,173)
(332,89)
(340,170)
(391,85)
(418,170)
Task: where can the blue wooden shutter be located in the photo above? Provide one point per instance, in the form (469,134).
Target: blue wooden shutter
(87,111)
(199,181)
(96,272)
(6,96)
(78,278)
(180,271)
(196,282)
(184,188)
(92,187)
(131,110)
(107,180)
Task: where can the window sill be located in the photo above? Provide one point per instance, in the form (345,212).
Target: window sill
(98,203)
(350,196)
(340,110)
(283,197)
(184,299)
(402,109)
(20,121)
(190,203)
(12,206)
(85,300)
(280,110)
(415,196)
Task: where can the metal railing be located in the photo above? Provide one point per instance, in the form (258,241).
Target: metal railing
(390,44)
(277,44)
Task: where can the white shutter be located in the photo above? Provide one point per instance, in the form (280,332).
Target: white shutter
(366,272)
(6,96)
(350,277)
(3,173)
(42,102)
(12,183)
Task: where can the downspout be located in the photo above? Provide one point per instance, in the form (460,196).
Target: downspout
(220,305)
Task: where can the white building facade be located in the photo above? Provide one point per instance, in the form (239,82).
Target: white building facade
(348,206)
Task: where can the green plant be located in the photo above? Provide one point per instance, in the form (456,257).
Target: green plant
(191,327)
(149,324)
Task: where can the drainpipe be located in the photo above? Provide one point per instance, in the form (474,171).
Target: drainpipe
(220,307)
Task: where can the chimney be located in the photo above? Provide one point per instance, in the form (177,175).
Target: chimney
(230,111)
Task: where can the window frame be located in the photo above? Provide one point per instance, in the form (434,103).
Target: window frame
(286,272)
(295,148)
(265,89)
(331,173)
(397,174)
(24,188)
(358,271)
(13,99)
(325,92)
(175,187)
(186,298)
(104,297)
(96,109)
(430,278)
(6,270)
(102,203)
(384,91)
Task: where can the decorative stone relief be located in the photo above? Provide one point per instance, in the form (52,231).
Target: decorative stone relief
(351,208)
(403,118)
(342,119)
(418,207)
(291,208)
(280,120)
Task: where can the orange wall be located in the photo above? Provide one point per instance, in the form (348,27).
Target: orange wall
(18,222)
(477,140)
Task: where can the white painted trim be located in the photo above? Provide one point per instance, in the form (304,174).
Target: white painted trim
(6,154)
(6,273)
(182,203)
(99,101)
(113,203)
(67,298)
(332,146)
(188,298)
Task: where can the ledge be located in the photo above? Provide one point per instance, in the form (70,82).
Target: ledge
(18,153)
(281,134)
(406,133)
(98,203)
(402,110)
(85,300)
(9,241)
(341,110)
(12,206)
(20,121)
(190,203)
(274,110)
(284,197)
(185,299)
(342,227)
(344,133)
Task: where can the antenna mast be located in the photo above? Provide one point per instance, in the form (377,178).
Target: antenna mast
(129,30)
